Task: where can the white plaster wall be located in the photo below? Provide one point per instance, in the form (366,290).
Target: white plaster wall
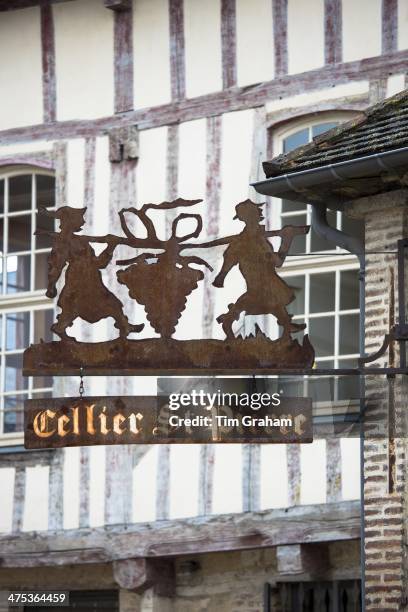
(151,168)
(227,485)
(25,147)
(395,84)
(202,32)
(151,47)
(144,487)
(255,61)
(36,498)
(75,172)
(84,59)
(305,35)
(361,29)
(97,486)
(402,24)
(350,461)
(20,68)
(7,493)
(184,480)
(274,476)
(320,95)
(71,488)
(313,472)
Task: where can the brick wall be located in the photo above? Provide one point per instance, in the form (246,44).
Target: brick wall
(385,432)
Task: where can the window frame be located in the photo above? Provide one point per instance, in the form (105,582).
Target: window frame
(31,301)
(335,260)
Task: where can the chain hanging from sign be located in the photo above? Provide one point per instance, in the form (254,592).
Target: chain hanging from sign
(161,277)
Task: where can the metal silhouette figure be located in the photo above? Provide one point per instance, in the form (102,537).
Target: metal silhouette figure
(251,250)
(84,294)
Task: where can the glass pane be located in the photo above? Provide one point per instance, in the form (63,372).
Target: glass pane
(1,197)
(45,191)
(299,243)
(17,330)
(322,389)
(292,205)
(18,273)
(19,236)
(349,333)
(14,412)
(43,319)
(321,332)
(15,381)
(44,223)
(322,292)
(296,140)
(349,289)
(297,284)
(348,386)
(323,127)
(317,243)
(353,227)
(20,193)
(1,235)
(41,270)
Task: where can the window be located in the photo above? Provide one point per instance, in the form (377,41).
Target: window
(339,595)
(25,313)
(324,277)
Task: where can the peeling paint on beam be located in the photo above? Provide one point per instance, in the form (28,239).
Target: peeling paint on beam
(123,59)
(48,64)
(177,50)
(280,36)
(389,30)
(333,35)
(229,43)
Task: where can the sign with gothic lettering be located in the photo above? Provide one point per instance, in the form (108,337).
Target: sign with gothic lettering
(73,421)
(160,275)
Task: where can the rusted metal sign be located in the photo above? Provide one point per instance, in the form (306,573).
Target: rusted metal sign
(73,421)
(161,276)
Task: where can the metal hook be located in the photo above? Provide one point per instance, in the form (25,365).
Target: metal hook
(81,382)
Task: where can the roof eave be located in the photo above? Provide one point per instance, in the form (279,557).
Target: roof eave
(315,184)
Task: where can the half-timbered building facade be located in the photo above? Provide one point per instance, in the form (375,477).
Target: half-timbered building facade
(114,103)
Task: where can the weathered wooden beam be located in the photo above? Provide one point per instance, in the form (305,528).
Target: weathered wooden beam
(389,30)
(138,575)
(19,498)
(312,559)
(229,100)
(13,5)
(123,56)
(229,43)
(177,53)
(280,36)
(333,34)
(293,467)
(123,144)
(192,536)
(48,64)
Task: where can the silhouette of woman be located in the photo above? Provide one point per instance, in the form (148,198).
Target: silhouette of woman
(84,294)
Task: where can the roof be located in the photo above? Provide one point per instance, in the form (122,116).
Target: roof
(382,127)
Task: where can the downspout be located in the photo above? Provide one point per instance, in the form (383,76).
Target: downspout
(355,246)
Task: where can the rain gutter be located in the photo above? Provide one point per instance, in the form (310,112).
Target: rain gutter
(360,167)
